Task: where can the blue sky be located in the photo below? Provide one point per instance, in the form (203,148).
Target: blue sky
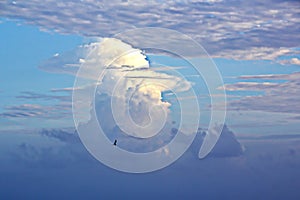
(255,46)
(24,49)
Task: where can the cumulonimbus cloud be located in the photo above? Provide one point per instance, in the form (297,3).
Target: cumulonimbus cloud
(128,81)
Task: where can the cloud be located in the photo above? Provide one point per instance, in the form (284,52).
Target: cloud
(271,163)
(67,89)
(141,145)
(57,111)
(292,77)
(35,96)
(226,146)
(49,157)
(130,84)
(68,62)
(276,97)
(292,61)
(295,61)
(61,135)
(258,53)
(249,86)
(295,118)
(53,106)
(224,28)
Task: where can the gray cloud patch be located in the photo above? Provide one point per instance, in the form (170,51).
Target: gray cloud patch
(227,145)
(61,135)
(49,157)
(295,118)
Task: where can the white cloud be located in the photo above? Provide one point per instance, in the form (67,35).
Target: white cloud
(295,61)
(292,61)
(126,78)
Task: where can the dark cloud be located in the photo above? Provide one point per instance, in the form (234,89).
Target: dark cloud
(295,118)
(227,145)
(62,135)
(31,155)
(268,169)
(49,157)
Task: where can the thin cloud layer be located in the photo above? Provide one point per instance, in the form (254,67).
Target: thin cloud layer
(277,97)
(53,106)
(36,96)
(225,28)
(57,111)
(249,86)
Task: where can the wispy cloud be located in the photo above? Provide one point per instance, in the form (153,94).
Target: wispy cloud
(249,86)
(50,105)
(277,97)
(292,77)
(35,96)
(57,111)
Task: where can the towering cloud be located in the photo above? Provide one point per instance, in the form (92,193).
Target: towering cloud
(125,78)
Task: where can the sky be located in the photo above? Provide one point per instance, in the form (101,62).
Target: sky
(253,45)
